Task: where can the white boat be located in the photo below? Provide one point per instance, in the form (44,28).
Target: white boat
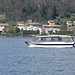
(58,41)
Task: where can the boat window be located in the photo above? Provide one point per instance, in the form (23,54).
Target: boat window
(38,39)
(48,39)
(66,39)
(43,39)
(56,39)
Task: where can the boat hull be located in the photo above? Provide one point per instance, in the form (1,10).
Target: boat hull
(50,44)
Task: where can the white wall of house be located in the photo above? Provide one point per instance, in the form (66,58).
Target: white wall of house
(34,28)
(1,29)
(28,28)
(51,29)
(21,27)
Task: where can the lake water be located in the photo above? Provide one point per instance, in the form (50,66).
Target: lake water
(16,58)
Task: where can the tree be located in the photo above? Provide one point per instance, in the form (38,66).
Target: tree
(11,30)
(30,9)
(54,13)
(44,12)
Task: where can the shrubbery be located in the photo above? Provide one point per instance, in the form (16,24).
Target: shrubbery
(29,32)
(14,31)
(63,32)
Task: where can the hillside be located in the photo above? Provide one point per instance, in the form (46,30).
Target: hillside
(36,9)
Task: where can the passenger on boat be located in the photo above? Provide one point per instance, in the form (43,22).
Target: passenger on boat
(59,39)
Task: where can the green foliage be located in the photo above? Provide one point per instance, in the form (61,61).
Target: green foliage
(61,21)
(64,32)
(41,10)
(44,12)
(45,9)
(29,32)
(14,31)
(72,18)
(11,31)
(0,33)
(64,14)
(12,23)
(54,13)
(50,32)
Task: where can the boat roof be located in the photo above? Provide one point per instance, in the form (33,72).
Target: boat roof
(54,36)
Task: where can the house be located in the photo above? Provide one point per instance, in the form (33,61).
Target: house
(51,22)
(28,25)
(70,26)
(29,22)
(20,23)
(2,26)
(51,26)
(33,26)
(32,23)
(69,23)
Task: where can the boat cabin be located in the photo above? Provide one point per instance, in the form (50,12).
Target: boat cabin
(52,38)
(48,39)
(52,41)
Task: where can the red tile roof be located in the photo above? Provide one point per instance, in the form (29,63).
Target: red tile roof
(3,24)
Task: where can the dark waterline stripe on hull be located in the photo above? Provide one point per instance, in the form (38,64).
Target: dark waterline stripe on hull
(54,44)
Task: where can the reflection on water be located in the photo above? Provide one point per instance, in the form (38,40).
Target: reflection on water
(16,58)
